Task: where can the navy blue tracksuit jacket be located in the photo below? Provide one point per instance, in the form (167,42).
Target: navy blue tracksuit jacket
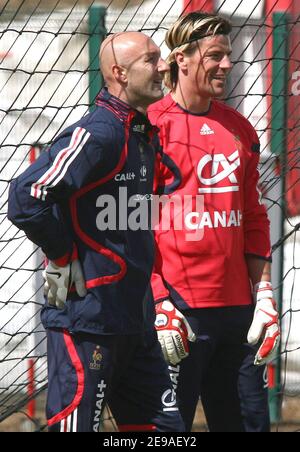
(58,200)
(103,347)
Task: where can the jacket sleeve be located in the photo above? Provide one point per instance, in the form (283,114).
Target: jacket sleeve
(37,197)
(256,222)
(166,180)
(160,291)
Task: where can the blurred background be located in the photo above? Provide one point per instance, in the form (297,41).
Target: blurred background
(49,78)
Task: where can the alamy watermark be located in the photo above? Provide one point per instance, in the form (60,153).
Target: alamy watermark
(161,213)
(296,84)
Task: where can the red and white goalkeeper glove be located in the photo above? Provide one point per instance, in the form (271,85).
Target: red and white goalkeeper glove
(58,281)
(265,324)
(173,332)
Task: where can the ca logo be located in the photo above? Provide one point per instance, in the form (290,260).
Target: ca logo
(229,165)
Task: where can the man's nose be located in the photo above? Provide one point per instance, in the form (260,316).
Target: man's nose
(163,65)
(226,62)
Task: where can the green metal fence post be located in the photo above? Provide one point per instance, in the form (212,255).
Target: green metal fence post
(279,148)
(96,32)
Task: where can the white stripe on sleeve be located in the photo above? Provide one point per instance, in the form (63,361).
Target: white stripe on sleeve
(61,164)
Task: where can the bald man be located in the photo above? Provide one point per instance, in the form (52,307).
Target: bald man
(85,202)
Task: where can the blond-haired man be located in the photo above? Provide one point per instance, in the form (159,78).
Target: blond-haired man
(204,285)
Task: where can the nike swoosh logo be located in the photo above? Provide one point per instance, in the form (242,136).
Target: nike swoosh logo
(54,274)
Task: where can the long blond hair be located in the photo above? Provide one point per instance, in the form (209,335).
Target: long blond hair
(184,34)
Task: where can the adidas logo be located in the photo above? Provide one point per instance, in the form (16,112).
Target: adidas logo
(206,130)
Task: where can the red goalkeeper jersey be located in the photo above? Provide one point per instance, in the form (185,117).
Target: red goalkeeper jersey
(208,174)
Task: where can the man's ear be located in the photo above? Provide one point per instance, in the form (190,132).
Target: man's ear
(180,59)
(119,73)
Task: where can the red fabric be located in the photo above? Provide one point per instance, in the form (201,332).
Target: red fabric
(62,261)
(206,6)
(279,5)
(31,406)
(292,8)
(293,146)
(34,153)
(67,258)
(271,376)
(80,383)
(211,270)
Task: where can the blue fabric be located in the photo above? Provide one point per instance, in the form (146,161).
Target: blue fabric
(220,369)
(64,212)
(127,372)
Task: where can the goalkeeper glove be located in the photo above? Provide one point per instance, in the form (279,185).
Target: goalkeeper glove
(58,281)
(173,332)
(265,324)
